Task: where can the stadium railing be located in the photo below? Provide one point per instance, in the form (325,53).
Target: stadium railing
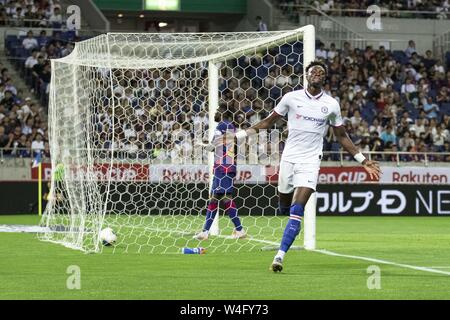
(384,12)
(341,157)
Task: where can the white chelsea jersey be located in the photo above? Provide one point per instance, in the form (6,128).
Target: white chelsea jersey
(308,120)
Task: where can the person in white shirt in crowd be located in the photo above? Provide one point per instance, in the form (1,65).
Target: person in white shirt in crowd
(30,42)
(332,52)
(56,17)
(37,145)
(410,49)
(321,52)
(32,60)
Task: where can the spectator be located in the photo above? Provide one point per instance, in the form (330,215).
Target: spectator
(159,153)
(4,139)
(431,109)
(439,139)
(332,53)
(20,146)
(261,25)
(8,100)
(9,86)
(46,151)
(388,135)
(321,52)
(56,19)
(410,49)
(30,42)
(18,17)
(27,128)
(32,60)
(406,142)
(408,88)
(428,60)
(37,145)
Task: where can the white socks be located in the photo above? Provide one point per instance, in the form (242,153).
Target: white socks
(280,254)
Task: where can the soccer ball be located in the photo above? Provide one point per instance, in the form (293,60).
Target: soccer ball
(107,237)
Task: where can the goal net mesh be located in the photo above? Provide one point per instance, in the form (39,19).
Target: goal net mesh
(129,116)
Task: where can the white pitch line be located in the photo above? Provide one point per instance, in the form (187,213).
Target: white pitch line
(401,265)
(426,269)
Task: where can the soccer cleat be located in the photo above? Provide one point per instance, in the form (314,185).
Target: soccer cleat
(277,265)
(202,235)
(239,234)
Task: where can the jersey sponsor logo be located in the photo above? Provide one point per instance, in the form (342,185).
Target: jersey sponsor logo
(299,107)
(318,121)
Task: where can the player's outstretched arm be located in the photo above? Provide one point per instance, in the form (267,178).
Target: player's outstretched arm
(266,123)
(372,167)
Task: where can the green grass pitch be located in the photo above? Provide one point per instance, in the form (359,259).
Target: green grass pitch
(31,269)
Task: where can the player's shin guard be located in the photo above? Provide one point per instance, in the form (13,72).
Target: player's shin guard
(230,209)
(293,226)
(210,214)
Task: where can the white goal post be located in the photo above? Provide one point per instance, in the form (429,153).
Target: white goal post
(126,114)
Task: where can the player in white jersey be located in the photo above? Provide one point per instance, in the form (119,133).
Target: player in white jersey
(310,111)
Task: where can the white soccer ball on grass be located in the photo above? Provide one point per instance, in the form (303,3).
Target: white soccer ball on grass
(108,237)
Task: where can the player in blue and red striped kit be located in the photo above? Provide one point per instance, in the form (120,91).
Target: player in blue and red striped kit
(224,173)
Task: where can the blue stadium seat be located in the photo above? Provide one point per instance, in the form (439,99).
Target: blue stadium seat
(281,60)
(42,41)
(242,63)
(275,92)
(397,86)
(447,59)
(432,93)
(368,114)
(256,83)
(445,108)
(400,56)
(369,105)
(262,72)
(298,47)
(286,49)
(335,147)
(11,41)
(293,58)
(413,113)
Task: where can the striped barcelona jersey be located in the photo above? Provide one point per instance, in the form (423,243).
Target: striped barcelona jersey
(225,155)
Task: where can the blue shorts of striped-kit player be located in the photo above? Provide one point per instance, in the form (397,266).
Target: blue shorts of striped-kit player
(223,183)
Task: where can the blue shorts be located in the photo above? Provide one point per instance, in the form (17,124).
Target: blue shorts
(223,183)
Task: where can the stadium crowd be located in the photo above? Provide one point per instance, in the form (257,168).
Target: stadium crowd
(390,101)
(31,13)
(23,121)
(424,9)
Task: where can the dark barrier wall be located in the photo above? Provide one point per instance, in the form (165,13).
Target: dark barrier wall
(337,200)
(18,197)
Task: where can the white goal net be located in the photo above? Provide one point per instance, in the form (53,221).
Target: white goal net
(129,117)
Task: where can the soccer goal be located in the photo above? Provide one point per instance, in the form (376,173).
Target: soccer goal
(129,117)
